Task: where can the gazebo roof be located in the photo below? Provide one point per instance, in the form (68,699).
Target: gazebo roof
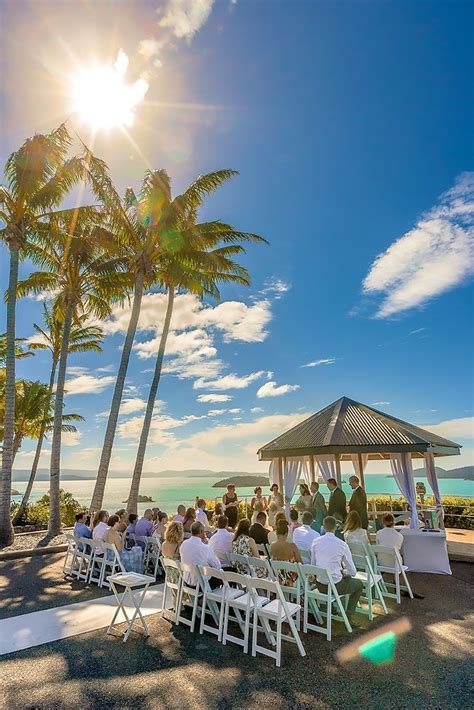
(348,427)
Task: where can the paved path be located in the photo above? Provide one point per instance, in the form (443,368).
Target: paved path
(28,630)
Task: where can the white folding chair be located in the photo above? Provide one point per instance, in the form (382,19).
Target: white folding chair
(112,564)
(213,600)
(242,607)
(397,568)
(173,576)
(287,574)
(84,558)
(260,567)
(96,562)
(242,561)
(188,596)
(330,597)
(263,550)
(71,552)
(371,581)
(305,555)
(279,611)
(223,557)
(151,559)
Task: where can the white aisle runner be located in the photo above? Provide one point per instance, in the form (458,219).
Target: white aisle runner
(27,630)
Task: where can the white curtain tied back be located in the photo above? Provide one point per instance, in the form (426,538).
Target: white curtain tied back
(327,465)
(434,485)
(403,473)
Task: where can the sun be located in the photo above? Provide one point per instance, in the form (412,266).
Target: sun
(102,99)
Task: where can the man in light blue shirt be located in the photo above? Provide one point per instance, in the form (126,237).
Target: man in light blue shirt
(144,527)
(80,528)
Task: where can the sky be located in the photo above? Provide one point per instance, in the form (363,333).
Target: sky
(350,124)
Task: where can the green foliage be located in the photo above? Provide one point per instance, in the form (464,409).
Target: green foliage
(38,513)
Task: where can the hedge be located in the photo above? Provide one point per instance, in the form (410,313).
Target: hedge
(38,513)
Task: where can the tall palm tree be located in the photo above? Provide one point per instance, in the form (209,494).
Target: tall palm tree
(193,257)
(38,175)
(86,282)
(82,339)
(139,234)
(33,413)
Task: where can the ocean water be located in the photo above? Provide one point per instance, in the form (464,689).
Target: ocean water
(168,493)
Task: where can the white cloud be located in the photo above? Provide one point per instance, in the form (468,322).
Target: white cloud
(275,286)
(270,389)
(228,382)
(432,258)
(71,438)
(317,363)
(214,397)
(88,384)
(255,410)
(462,428)
(159,430)
(379,404)
(235,410)
(417,330)
(262,429)
(216,412)
(185,17)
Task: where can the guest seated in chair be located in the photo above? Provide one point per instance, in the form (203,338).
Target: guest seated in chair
(243,544)
(258,531)
(221,541)
(144,526)
(180,513)
(329,552)
(132,559)
(196,551)
(99,525)
(189,519)
(80,528)
(353,531)
(174,536)
(132,521)
(389,537)
(304,535)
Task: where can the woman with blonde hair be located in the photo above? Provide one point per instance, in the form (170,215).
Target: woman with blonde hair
(354,533)
(174,536)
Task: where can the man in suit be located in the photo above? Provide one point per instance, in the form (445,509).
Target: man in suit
(358,501)
(337,500)
(258,530)
(318,506)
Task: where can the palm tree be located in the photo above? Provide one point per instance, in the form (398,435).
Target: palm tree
(33,413)
(38,175)
(85,282)
(82,339)
(193,260)
(139,234)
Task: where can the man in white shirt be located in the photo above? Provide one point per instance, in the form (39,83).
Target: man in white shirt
(221,541)
(331,553)
(98,532)
(201,516)
(196,551)
(304,536)
(388,537)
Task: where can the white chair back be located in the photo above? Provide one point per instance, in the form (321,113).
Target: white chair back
(260,567)
(310,575)
(241,562)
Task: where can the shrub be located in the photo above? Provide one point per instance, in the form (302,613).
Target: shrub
(38,513)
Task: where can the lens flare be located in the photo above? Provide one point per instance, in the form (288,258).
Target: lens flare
(102,99)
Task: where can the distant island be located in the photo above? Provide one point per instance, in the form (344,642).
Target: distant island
(142,499)
(69,474)
(244,480)
(15,492)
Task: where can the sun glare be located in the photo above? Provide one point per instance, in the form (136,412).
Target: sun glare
(101,97)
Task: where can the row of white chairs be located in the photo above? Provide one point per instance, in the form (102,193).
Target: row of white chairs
(248,603)
(94,560)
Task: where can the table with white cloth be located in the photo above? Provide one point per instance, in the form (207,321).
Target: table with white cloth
(425,551)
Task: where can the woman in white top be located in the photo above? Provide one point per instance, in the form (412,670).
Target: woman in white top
(354,533)
(305,501)
(99,525)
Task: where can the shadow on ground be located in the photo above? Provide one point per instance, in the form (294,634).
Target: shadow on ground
(174,668)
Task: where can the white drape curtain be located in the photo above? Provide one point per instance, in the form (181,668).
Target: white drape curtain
(273,472)
(292,473)
(433,481)
(355,463)
(327,466)
(403,473)
(306,470)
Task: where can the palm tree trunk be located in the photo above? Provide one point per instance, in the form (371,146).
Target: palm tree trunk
(34,468)
(6,528)
(137,472)
(98,494)
(55,469)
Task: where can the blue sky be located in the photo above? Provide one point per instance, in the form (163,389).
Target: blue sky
(350,124)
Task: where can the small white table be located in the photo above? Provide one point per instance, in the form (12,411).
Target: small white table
(425,551)
(130,581)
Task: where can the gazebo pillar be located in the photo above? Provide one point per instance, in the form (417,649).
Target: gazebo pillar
(312,468)
(338,470)
(361,471)
(280,475)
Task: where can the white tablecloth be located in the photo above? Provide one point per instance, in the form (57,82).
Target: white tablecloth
(425,551)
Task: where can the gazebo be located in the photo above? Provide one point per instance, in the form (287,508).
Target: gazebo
(347,430)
